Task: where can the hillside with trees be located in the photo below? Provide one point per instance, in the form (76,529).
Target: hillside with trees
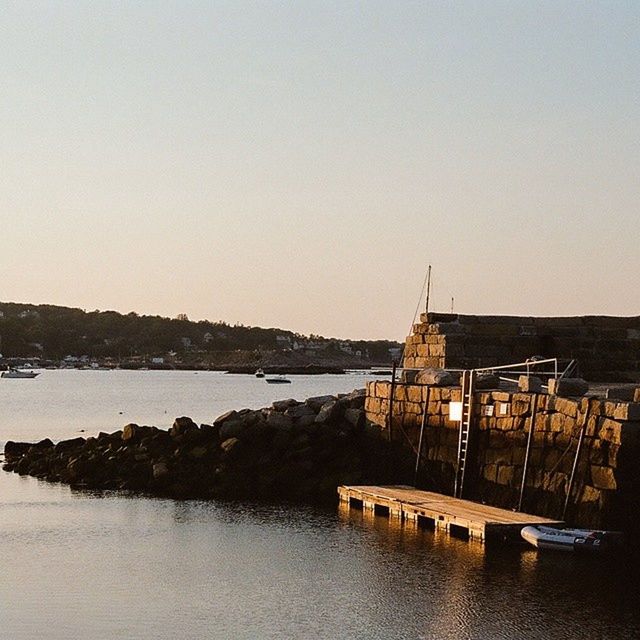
(62,334)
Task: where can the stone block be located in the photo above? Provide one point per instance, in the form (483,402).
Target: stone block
(603,477)
(435,350)
(490,472)
(567,407)
(414,393)
(502,456)
(504,424)
(609,430)
(627,411)
(505,475)
(412,407)
(589,494)
(423,350)
(518,456)
(520,407)
(620,393)
(530,384)
(568,387)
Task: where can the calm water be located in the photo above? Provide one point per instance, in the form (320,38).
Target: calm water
(77,565)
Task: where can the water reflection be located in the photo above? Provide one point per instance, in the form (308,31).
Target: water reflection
(236,570)
(464,589)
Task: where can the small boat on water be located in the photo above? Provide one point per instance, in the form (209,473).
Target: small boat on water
(259,373)
(589,540)
(278,380)
(18,373)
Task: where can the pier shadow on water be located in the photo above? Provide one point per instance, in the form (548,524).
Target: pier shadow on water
(459,588)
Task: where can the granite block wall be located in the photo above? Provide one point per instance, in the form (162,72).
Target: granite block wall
(607,348)
(606,490)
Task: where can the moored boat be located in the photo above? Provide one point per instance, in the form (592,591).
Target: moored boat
(278,380)
(549,538)
(259,373)
(18,373)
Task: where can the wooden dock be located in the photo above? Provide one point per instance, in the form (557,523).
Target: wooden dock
(479,521)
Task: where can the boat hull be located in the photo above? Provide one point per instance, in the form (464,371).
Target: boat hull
(19,374)
(569,540)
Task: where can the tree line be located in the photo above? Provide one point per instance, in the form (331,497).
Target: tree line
(53,332)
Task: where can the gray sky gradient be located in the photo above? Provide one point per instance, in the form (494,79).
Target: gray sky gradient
(300,164)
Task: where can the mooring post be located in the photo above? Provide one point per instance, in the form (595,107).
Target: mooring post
(583,429)
(525,468)
(425,417)
(391,396)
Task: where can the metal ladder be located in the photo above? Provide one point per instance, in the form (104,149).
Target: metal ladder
(468,382)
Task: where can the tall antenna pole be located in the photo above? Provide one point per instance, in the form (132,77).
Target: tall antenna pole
(426,306)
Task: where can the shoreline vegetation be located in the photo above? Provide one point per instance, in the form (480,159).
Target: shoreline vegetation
(294,451)
(55,336)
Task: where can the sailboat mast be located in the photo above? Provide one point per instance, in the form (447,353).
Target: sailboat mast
(428,289)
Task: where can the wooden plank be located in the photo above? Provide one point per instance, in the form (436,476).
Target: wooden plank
(480,520)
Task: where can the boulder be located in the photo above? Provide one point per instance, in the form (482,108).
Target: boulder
(232,428)
(304,422)
(229,444)
(356,398)
(229,415)
(160,470)
(198,452)
(130,432)
(318,401)
(181,426)
(356,417)
(299,411)
(487,381)
(14,450)
(44,444)
(327,412)
(283,405)
(279,421)
(67,445)
(436,378)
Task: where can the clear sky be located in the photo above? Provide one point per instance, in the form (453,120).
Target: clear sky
(300,164)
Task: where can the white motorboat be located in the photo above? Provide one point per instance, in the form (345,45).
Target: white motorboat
(18,373)
(278,380)
(549,538)
(259,373)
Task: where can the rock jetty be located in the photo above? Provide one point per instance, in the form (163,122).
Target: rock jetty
(292,450)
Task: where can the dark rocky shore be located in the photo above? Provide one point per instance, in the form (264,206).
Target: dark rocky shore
(292,450)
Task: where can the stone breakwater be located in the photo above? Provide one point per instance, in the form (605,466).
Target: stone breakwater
(606,489)
(292,450)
